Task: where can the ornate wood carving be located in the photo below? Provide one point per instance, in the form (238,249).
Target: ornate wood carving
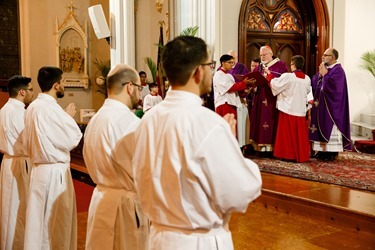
(289,27)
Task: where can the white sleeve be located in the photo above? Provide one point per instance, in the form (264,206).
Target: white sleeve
(147,104)
(233,181)
(278,85)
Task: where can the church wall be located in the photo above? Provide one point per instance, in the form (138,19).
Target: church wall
(353,35)
(38,45)
(351,25)
(147,33)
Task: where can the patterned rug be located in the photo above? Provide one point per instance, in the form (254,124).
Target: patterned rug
(350,169)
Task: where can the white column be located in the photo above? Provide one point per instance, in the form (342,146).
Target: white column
(122,32)
(189,13)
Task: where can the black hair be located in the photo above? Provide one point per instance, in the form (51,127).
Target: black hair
(152,85)
(225,58)
(256,59)
(16,83)
(299,61)
(181,56)
(48,76)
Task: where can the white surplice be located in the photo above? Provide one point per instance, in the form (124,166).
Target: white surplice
(14,175)
(293,93)
(190,174)
(222,82)
(50,134)
(150,101)
(115,219)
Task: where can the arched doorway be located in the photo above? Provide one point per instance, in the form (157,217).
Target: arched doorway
(289,27)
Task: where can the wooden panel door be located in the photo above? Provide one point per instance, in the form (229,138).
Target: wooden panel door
(289,27)
(283,48)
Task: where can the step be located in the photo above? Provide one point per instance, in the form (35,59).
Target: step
(319,201)
(368,118)
(362,129)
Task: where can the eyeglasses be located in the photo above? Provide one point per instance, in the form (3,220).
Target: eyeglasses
(211,64)
(264,54)
(138,86)
(326,55)
(230,62)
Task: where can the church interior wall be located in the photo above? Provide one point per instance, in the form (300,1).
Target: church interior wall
(353,36)
(351,24)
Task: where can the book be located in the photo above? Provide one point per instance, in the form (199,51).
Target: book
(260,79)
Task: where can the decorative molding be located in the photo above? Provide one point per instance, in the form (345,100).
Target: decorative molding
(72,50)
(159,5)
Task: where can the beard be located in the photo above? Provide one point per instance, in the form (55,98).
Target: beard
(60,93)
(135,100)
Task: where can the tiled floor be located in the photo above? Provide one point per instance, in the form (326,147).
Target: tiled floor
(271,227)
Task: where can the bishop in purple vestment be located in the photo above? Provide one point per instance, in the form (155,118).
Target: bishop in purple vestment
(263,117)
(330,120)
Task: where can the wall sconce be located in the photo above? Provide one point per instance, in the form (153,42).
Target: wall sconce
(159,5)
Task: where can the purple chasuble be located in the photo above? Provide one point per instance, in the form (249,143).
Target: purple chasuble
(331,106)
(264,115)
(238,69)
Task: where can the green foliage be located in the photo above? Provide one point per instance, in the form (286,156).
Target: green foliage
(368,61)
(190,31)
(103,66)
(152,66)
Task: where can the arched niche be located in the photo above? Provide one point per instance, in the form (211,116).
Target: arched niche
(72,50)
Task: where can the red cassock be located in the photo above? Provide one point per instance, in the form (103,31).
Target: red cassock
(292,141)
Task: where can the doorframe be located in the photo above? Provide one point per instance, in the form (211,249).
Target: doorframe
(322,26)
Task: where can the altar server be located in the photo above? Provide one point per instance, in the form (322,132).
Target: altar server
(115,219)
(292,91)
(16,165)
(50,134)
(189,171)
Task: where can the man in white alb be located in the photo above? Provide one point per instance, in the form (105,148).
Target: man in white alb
(16,165)
(50,134)
(188,168)
(115,219)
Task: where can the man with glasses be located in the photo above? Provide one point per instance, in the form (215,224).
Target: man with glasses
(50,134)
(16,165)
(330,120)
(226,89)
(115,219)
(188,169)
(264,115)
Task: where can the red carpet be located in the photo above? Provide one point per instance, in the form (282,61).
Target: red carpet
(83,195)
(350,169)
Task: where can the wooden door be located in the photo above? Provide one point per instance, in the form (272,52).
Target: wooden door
(289,27)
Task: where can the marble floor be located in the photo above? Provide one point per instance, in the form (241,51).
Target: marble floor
(282,224)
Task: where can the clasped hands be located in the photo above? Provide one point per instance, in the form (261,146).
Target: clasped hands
(322,69)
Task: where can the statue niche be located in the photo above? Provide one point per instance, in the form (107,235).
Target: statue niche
(72,51)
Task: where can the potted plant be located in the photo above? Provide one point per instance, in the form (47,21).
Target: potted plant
(368,61)
(103,68)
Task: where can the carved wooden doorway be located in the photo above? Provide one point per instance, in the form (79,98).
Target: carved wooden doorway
(289,27)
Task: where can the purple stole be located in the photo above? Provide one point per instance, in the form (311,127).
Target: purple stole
(331,106)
